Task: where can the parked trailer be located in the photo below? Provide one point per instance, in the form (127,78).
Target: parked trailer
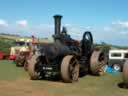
(4,55)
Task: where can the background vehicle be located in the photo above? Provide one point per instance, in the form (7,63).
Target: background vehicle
(117,58)
(26,51)
(21,45)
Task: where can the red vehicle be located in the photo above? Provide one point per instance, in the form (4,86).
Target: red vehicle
(4,55)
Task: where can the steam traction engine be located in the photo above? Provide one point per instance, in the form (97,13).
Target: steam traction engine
(66,57)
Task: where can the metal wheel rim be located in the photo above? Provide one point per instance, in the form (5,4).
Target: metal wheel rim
(69,71)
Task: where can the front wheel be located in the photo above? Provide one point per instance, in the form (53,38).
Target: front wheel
(69,69)
(31,66)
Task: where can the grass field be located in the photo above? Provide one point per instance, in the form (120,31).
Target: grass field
(15,82)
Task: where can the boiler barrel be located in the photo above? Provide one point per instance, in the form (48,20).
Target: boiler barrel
(54,50)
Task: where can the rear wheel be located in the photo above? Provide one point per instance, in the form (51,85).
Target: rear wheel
(69,69)
(97,63)
(125,74)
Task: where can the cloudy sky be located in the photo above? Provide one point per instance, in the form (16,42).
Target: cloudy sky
(106,19)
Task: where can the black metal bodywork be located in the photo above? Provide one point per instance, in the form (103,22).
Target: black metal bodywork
(50,56)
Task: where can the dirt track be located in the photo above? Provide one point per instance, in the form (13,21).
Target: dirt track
(21,88)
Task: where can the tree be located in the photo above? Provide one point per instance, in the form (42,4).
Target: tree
(105,47)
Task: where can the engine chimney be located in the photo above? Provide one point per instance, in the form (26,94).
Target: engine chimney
(57,21)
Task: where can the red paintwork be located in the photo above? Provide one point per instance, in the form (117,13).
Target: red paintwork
(12,57)
(3,55)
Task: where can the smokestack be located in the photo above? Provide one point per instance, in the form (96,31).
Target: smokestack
(57,21)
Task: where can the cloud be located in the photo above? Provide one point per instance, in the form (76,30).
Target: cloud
(121,23)
(106,28)
(124,32)
(115,33)
(43,30)
(121,27)
(3,23)
(77,32)
(22,23)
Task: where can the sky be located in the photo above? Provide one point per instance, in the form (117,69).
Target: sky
(106,19)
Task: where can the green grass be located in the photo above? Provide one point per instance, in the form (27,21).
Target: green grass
(9,71)
(107,85)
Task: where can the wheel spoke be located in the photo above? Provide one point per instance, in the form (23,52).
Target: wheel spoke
(72,65)
(70,68)
(100,68)
(74,62)
(75,73)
